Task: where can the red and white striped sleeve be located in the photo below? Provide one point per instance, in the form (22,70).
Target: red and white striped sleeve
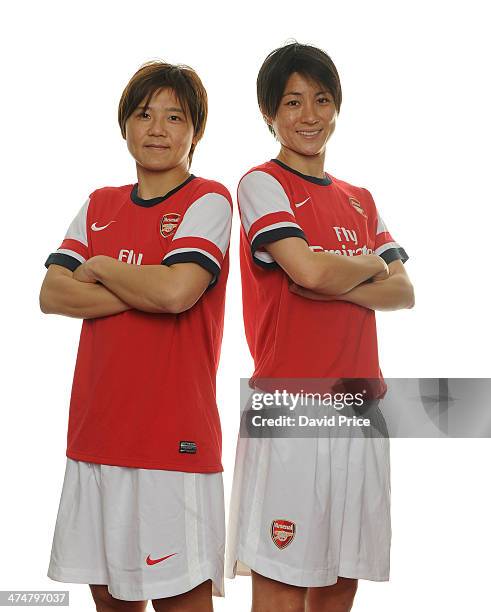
(266,214)
(385,245)
(203,235)
(74,249)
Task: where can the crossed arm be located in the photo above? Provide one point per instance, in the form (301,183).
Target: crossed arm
(329,277)
(104,286)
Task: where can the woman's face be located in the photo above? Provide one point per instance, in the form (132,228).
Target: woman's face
(160,136)
(306,116)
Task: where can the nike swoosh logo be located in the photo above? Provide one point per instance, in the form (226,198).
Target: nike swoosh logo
(302,203)
(154,561)
(98,229)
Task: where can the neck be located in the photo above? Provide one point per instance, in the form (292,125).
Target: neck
(155,184)
(312,165)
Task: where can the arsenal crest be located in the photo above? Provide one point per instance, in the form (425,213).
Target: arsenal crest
(282,532)
(358,207)
(169,223)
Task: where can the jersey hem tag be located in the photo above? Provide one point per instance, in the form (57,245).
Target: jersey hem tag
(185,446)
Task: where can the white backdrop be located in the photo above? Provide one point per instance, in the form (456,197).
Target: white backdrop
(414,129)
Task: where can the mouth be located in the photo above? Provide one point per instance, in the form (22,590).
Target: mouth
(309,133)
(157,147)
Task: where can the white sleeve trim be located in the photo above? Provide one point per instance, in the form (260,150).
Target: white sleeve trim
(260,194)
(192,250)
(208,217)
(388,245)
(73,254)
(78,227)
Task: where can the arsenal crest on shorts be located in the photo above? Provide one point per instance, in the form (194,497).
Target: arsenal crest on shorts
(169,223)
(282,532)
(358,207)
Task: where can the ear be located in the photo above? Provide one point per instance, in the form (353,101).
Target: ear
(268,120)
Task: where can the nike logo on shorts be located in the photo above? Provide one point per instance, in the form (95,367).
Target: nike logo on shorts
(154,561)
(98,229)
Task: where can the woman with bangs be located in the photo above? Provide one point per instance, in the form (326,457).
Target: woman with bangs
(311,515)
(145,266)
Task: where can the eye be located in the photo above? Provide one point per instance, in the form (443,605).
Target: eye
(175,118)
(324,100)
(292,103)
(143,115)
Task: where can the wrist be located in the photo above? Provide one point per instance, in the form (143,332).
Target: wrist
(97,266)
(380,263)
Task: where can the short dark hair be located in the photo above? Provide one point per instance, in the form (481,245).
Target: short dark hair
(182,79)
(307,60)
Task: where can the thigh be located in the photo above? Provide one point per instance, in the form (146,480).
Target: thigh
(78,553)
(198,599)
(335,501)
(335,598)
(286,516)
(271,595)
(164,531)
(105,602)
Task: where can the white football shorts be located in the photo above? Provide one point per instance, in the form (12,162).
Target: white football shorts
(307,510)
(146,534)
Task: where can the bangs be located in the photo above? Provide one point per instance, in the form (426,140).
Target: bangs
(312,63)
(144,90)
(183,81)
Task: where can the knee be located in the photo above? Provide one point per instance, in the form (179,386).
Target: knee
(292,607)
(274,607)
(285,604)
(338,597)
(102,597)
(270,595)
(345,594)
(198,598)
(347,586)
(105,602)
(164,604)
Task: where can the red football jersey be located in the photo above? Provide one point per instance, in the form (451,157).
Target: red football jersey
(143,392)
(290,336)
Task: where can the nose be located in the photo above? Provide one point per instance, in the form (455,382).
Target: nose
(309,113)
(156,127)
